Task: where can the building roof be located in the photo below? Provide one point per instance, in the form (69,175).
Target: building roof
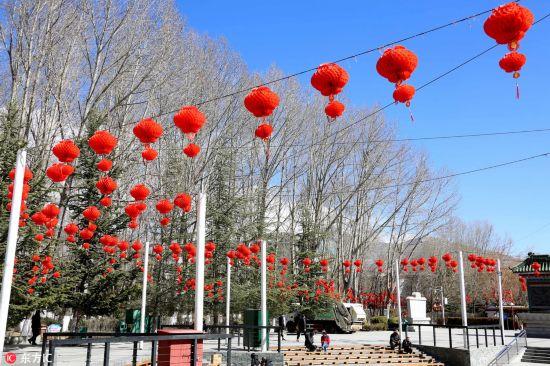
(525,266)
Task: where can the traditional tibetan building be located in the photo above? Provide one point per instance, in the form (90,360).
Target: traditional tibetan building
(536,271)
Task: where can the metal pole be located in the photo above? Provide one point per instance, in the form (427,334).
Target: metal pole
(462,295)
(13,229)
(500,302)
(442,305)
(199,277)
(398,286)
(228,298)
(263,322)
(144,291)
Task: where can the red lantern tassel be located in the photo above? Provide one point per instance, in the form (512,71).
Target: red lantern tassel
(410,112)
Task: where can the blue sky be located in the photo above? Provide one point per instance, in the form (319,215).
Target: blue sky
(478,98)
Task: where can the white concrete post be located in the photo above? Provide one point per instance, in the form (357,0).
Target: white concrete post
(13,230)
(263,309)
(500,301)
(144,291)
(398,287)
(228,296)
(199,276)
(463,310)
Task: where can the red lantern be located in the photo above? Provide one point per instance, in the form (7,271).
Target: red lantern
(404,94)
(192,150)
(26,177)
(358,263)
(102,142)
(284,261)
(106,185)
(104,165)
(71,228)
(397,64)
(106,201)
(147,131)
(264,131)
(323,262)
(261,101)
(164,206)
(50,211)
(329,79)
(334,109)
(86,234)
(346,263)
(140,192)
(149,154)
(447,257)
(306,262)
(379,262)
(66,151)
(183,201)
(512,62)
(508,23)
(189,120)
(59,172)
(453,263)
(91,213)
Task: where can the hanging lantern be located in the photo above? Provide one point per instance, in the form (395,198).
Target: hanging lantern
(59,172)
(106,185)
(189,120)
(334,109)
(183,201)
(147,131)
(140,192)
(102,142)
(50,210)
(404,94)
(192,150)
(261,102)
(149,154)
(66,151)
(508,24)
(104,165)
(397,64)
(512,62)
(91,213)
(164,207)
(26,177)
(329,79)
(264,131)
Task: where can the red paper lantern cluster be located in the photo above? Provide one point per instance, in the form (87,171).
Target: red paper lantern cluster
(106,186)
(380,265)
(164,207)
(397,65)
(324,264)
(482,263)
(43,267)
(46,217)
(450,262)
(27,176)
(66,151)
(261,102)
(183,201)
(358,263)
(432,263)
(347,264)
(523,283)
(190,120)
(330,79)
(508,24)
(307,263)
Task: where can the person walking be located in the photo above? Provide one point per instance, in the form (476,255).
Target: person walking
(325,341)
(282,323)
(301,327)
(36,327)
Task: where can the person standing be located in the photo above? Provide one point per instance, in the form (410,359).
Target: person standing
(36,327)
(325,341)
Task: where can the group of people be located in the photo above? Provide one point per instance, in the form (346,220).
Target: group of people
(395,342)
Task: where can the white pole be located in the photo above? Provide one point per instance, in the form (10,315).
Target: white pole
(144,291)
(462,294)
(500,302)
(13,230)
(199,277)
(263,319)
(398,286)
(228,296)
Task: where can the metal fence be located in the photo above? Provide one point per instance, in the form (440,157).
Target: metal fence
(455,336)
(147,343)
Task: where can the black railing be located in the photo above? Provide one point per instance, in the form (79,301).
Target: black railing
(484,335)
(248,331)
(52,341)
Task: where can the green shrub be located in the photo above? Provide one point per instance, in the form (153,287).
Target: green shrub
(379,320)
(374,327)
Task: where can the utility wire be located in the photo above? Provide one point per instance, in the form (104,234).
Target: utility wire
(358,54)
